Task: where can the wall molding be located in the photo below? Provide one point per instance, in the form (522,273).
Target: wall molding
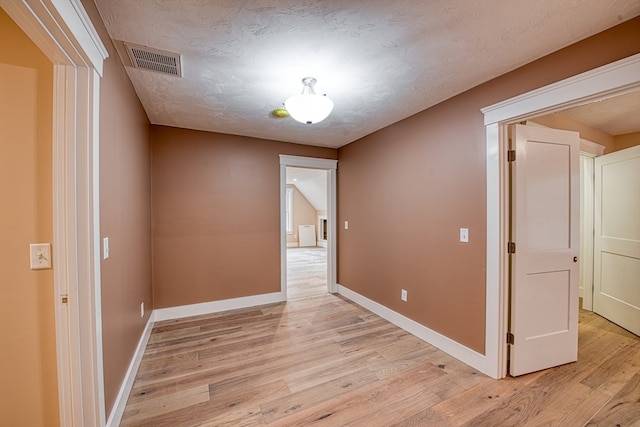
(127,383)
(211,307)
(573,91)
(449,346)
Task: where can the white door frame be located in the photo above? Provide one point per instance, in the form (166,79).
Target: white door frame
(65,34)
(603,82)
(311,163)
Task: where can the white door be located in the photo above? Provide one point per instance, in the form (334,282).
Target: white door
(616,264)
(545,220)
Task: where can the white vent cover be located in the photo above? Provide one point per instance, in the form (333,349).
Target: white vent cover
(161,61)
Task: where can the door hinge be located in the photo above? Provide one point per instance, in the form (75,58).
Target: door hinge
(64,299)
(511,155)
(510,338)
(511,248)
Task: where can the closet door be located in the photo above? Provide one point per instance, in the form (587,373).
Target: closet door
(616,265)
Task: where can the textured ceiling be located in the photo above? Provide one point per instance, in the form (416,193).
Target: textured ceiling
(379,60)
(618,115)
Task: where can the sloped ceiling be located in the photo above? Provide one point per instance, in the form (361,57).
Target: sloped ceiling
(312,183)
(379,60)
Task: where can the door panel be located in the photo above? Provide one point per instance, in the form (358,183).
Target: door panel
(617,238)
(545,197)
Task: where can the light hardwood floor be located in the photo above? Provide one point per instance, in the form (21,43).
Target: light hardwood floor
(322,360)
(306,272)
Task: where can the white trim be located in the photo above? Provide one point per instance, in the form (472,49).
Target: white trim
(603,82)
(449,346)
(587,226)
(591,149)
(289,210)
(589,86)
(61,29)
(127,384)
(75,17)
(64,33)
(496,313)
(199,309)
(67,382)
(308,162)
(330,166)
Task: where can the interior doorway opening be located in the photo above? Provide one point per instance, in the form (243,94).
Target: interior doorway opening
(307,223)
(612,79)
(308,226)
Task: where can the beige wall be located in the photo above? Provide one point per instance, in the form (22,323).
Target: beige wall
(428,173)
(560,121)
(620,142)
(303,214)
(125,216)
(28,372)
(611,143)
(216,215)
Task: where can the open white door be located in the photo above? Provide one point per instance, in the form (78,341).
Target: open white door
(545,220)
(616,263)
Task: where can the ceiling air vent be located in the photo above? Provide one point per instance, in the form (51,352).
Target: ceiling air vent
(160,61)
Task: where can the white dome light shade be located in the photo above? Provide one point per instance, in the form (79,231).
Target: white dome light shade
(309,107)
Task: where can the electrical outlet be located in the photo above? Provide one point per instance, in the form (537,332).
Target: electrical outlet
(141,309)
(403,295)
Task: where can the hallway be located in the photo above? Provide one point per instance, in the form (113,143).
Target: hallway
(306,272)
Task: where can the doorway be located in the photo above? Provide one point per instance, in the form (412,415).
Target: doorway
(306,232)
(613,79)
(542,341)
(319,169)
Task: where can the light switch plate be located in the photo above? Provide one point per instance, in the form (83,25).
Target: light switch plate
(464,235)
(346,225)
(105,248)
(40,256)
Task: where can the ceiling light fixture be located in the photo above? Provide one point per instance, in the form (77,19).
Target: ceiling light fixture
(309,107)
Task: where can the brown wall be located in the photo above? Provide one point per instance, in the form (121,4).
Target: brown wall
(216,215)
(28,371)
(620,142)
(125,216)
(408,188)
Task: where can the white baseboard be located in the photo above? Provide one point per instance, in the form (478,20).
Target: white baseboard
(176,313)
(292,245)
(453,348)
(449,346)
(127,384)
(216,306)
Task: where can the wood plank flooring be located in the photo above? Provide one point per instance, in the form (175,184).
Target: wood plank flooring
(306,272)
(325,361)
